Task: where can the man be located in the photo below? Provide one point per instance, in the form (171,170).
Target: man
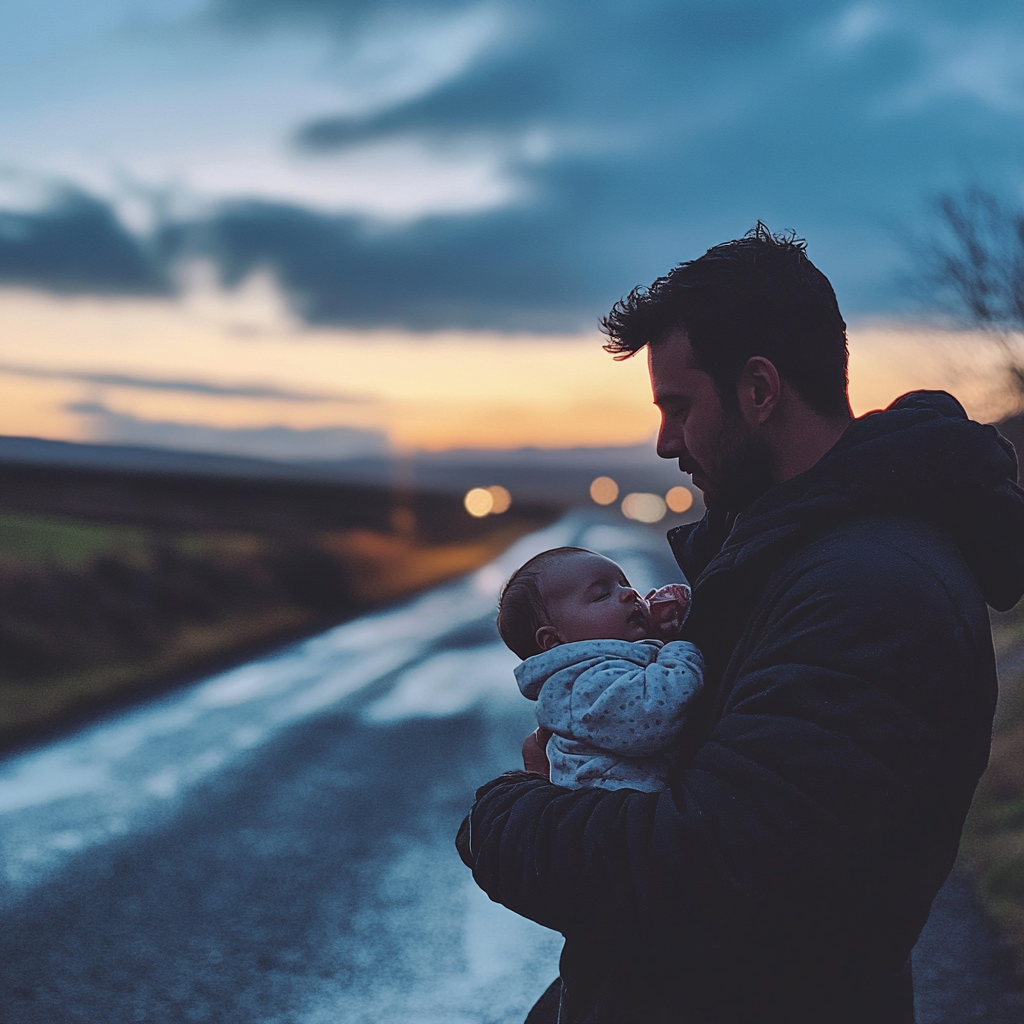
(840,578)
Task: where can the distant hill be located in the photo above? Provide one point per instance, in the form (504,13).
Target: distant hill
(124,569)
(531,474)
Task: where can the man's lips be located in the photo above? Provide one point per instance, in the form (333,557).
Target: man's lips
(689,467)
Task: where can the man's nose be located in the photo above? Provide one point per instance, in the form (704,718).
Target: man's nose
(670,444)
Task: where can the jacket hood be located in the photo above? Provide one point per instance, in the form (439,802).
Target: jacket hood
(922,457)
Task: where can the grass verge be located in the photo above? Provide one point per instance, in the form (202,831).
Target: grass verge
(993,840)
(93,614)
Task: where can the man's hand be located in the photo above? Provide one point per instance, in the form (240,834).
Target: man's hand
(535,757)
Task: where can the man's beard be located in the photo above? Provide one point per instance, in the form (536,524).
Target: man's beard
(744,469)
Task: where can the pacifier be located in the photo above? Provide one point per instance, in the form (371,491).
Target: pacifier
(670,605)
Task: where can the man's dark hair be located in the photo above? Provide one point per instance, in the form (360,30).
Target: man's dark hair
(758,295)
(521,608)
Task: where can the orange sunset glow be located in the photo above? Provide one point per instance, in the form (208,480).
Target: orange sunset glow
(72,366)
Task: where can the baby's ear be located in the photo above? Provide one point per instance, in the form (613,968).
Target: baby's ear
(547,637)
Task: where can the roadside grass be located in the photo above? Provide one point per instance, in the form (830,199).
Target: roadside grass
(28,539)
(94,613)
(993,840)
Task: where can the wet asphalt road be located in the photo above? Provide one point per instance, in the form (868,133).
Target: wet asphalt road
(275,845)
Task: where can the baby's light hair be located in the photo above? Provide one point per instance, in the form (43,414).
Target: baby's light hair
(521,607)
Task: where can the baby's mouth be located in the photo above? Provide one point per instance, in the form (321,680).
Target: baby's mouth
(638,617)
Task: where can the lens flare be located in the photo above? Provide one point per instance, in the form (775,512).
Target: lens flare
(604,490)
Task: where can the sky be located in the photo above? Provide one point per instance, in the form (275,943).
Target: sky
(301,227)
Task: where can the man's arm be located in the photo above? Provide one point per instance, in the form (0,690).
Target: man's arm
(826,750)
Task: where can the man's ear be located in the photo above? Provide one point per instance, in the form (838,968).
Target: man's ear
(758,390)
(547,637)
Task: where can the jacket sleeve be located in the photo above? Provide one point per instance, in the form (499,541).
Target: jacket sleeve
(832,735)
(628,708)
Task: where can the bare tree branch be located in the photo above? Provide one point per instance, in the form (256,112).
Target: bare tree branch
(972,268)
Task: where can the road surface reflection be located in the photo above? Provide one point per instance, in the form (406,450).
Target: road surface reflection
(275,844)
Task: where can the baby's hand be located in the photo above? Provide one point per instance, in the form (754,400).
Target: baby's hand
(669,607)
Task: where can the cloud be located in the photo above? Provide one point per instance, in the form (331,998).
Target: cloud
(624,137)
(191,387)
(621,67)
(76,244)
(506,270)
(339,15)
(107,426)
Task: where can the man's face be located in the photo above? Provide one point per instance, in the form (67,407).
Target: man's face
(729,462)
(589,598)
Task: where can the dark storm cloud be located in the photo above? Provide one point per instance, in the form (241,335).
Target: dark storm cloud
(505,270)
(576,64)
(641,132)
(76,245)
(674,124)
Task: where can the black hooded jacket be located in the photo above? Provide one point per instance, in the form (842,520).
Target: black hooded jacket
(785,874)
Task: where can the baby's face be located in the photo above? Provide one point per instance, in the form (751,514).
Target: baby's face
(589,598)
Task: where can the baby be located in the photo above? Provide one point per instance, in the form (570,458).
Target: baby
(608,686)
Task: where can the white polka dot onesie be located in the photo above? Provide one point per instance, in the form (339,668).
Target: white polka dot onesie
(615,707)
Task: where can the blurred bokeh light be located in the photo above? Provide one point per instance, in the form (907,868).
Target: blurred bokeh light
(604,490)
(479,502)
(501,499)
(679,499)
(644,508)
